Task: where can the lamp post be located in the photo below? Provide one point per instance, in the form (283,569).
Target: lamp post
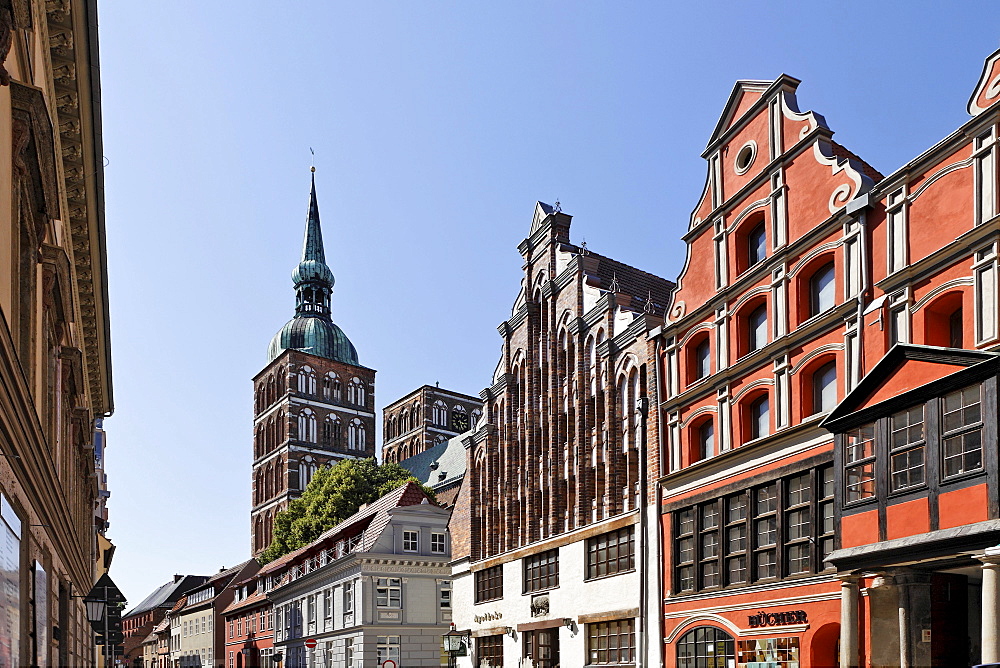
(453,643)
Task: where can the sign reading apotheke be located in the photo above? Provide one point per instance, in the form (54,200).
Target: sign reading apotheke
(488,617)
(778,618)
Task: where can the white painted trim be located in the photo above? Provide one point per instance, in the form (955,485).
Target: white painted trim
(760,382)
(944,171)
(758,602)
(750,208)
(750,294)
(819,250)
(697,413)
(700,327)
(944,287)
(753,157)
(822,350)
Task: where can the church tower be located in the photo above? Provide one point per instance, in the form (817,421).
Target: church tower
(314,404)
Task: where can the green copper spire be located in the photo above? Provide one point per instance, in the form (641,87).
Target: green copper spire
(311,330)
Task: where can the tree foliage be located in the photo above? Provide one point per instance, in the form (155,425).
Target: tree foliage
(334,494)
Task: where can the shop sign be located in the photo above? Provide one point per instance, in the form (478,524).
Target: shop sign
(778,618)
(488,617)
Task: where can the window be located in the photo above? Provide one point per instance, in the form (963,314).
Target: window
(824,388)
(705,647)
(760,417)
(962,432)
(437,543)
(445,599)
(611,553)
(755,535)
(756,245)
(859,463)
(388,593)
(307,380)
(489,584)
(757,328)
(439,413)
(611,642)
(410,541)
(541,648)
(307,425)
(387,647)
(906,449)
(348,598)
(489,651)
(356,437)
(955,329)
(772,652)
(701,364)
(349,652)
(822,290)
(541,571)
(706,440)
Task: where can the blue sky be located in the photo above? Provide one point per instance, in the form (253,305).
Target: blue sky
(436,126)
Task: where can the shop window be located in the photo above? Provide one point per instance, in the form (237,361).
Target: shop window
(962,433)
(611,643)
(611,553)
(489,584)
(906,449)
(770,652)
(489,651)
(705,647)
(859,464)
(822,289)
(541,571)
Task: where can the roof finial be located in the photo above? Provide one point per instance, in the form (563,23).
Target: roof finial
(614,283)
(649,303)
(558,207)
(313,153)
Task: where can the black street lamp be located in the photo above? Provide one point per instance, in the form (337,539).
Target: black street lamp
(454,643)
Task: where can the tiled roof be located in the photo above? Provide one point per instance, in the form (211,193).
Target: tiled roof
(635,282)
(374,517)
(249,602)
(447,458)
(179,605)
(166,594)
(869,171)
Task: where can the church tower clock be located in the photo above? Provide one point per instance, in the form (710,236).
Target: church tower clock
(314,404)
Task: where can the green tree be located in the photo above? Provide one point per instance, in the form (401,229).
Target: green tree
(334,494)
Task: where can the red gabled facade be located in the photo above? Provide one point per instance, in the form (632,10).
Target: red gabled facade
(248,626)
(805,267)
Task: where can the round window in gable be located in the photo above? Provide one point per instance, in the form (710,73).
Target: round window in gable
(745,157)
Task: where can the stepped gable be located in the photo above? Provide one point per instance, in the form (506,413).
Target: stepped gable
(869,171)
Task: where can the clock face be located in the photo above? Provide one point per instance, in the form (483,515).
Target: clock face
(460,422)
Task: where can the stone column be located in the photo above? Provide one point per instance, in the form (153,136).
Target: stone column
(849,655)
(991,607)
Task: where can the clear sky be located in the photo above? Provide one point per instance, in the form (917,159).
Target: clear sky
(436,126)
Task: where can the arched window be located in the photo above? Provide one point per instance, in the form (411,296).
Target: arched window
(944,321)
(331,425)
(705,647)
(404,422)
(757,328)
(759,413)
(307,380)
(822,290)
(416,418)
(476,414)
(824,388)
(307,469)
(307,425)
(258,487)
(439,413)
(329,382)
(699,357)
(356,392)
(356,435)
(279,476)
(756,244)
(706,439)
(268,482)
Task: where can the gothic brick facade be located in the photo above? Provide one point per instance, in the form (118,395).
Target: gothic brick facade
(426,417)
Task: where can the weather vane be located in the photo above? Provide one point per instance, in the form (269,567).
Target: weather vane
(313,153)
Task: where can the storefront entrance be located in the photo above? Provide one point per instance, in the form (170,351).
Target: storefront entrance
(542,648)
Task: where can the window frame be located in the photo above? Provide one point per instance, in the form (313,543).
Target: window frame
(411,540)
(619,629)
(489,584)
(599,551)
(816,306)
(540,571)
(439,546)
(389,593)
(961,431)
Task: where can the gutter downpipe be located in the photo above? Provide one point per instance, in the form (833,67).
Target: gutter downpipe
(661,446)
(643,529)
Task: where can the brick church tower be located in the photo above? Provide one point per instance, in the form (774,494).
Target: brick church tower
(314,404)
